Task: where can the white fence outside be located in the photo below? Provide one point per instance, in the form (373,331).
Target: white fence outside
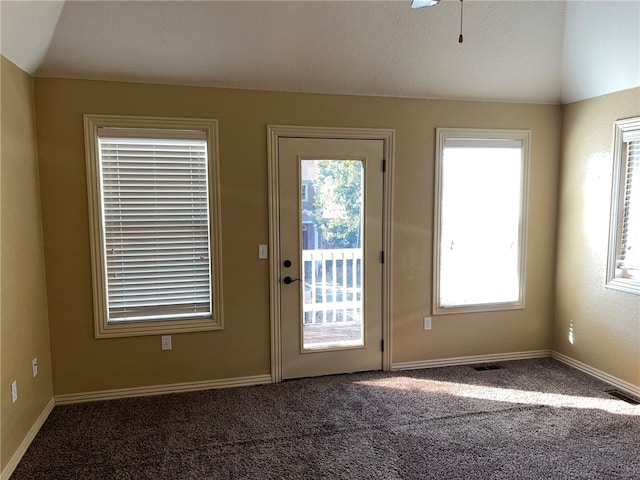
(332,286)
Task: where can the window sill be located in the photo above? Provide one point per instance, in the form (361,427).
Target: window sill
(142,328)
(490,307)
(624,285)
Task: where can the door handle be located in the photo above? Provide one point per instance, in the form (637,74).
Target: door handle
(289,280)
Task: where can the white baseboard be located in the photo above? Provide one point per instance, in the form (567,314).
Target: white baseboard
(24,445)
(161,389)
(453,361)
(627,387)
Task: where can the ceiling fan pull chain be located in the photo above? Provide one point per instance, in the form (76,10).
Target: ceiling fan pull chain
(461,38)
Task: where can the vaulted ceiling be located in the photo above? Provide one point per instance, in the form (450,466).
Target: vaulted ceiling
(515,50)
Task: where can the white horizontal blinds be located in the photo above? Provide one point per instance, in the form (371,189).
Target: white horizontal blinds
(629,258)
(155,207)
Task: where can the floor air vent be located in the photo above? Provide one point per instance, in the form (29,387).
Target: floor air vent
(481,368)
(623,396)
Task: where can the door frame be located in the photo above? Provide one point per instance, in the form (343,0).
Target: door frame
(274,133)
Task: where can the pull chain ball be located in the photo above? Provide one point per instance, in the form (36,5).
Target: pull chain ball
(461,38)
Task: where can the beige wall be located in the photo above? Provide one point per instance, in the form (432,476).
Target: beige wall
(23,311)
(82,363)
(605,323)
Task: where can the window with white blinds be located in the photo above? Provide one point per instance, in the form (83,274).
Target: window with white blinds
(152,200)
(623,272)
(481,187)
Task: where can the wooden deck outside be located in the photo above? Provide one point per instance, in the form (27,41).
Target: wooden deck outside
(332,333)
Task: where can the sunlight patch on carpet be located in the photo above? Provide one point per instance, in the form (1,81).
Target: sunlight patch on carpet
(508,395)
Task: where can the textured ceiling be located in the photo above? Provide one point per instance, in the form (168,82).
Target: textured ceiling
(530,51)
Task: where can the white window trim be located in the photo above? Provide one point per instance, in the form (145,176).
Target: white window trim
(442,134)
(102,328)
(622,129)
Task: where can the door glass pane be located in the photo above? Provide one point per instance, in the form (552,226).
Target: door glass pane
(332,194)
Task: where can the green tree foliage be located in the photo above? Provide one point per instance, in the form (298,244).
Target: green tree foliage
(337,211)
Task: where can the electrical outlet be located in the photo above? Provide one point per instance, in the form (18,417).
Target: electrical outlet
(166,342)
(34,367)
(263,252)
(427,323)
(14,391)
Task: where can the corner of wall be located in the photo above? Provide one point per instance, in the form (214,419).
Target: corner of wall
(593,325)
(23,299)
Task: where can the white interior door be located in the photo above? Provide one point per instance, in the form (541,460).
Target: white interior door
(331,237)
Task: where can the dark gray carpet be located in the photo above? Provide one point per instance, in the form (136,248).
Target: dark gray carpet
(534,419)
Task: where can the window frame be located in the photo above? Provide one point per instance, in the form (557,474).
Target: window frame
(442,134)
(616,219)
(103,328)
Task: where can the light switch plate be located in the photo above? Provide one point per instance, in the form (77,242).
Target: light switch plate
(263,252)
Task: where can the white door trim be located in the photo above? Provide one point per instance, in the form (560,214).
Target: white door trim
(274,132)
